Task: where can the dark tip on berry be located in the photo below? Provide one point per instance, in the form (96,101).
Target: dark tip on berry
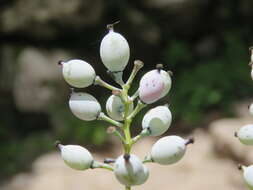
(110,26)
(109,160)
(239,166)
(60,62)
(57,144)
(190,141)
(126,157)
(159,67)
(111,129)
(149,130)
(235,134)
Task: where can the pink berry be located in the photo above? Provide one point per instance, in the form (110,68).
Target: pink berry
(151,87)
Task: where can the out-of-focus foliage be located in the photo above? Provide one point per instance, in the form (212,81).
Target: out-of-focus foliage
(210,85)
(205,44)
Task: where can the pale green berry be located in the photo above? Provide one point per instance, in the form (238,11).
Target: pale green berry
(130,171)
(78,73)
(248,175)
(251,73)
(245,134)
(115,108)
(76,157)
(84,106)
(157,120)
(169,150)
(251,109)
(114,51)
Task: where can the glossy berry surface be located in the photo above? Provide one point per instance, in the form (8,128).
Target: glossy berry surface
(114,51)
(131,171)
(76,157)
(151,87)
(84,106)
(78,73)
(168,150)
(115,108)
(157,120)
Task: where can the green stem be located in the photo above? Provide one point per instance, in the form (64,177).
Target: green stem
(137,109)
(135,95)
(128,188)
(117,76)
(97,164)
(147,159)
(102,116)
(127,122)
(117,134)
(99,81)
(137,66)
(144,133)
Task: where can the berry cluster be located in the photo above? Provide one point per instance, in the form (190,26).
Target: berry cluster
(121,110)
(245,136)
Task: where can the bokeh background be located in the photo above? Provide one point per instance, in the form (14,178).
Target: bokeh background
(203,42)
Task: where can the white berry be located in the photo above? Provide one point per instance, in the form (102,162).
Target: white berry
(251,73)
(248,175)
(245,134)
(84,106)
(76,157)
(78,73)
(151,87)
(157,120)
(114,51)
(115,108)
(130,171)
(251,109)
(167,83)
(168,150)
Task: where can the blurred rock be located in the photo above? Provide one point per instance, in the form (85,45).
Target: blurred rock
(226,144)
(207,47)
(170,4)
(38,80)
(201,168)
(144,28)
(7,67)
(47,18)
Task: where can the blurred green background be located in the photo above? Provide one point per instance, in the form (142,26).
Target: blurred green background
(204,42)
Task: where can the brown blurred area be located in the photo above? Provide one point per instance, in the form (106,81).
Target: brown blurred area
(204,42)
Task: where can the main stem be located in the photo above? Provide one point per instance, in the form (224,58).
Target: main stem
(127,121)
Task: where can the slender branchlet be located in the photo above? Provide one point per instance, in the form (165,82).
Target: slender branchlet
(104,117)
(99,81)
